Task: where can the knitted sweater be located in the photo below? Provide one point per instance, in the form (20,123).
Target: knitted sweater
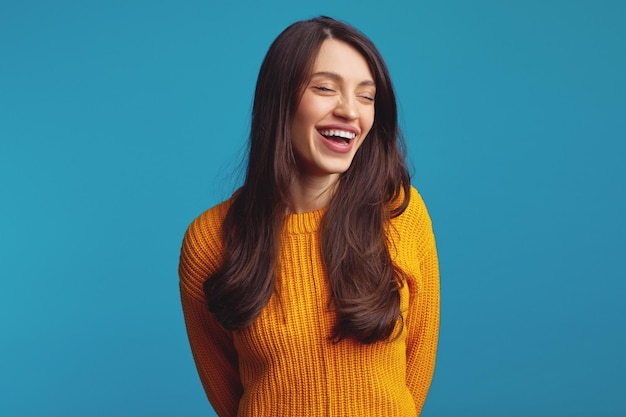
(284,363)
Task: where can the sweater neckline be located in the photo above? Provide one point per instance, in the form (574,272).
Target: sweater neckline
(304,222)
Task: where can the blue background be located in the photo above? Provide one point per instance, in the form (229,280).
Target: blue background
(120,121)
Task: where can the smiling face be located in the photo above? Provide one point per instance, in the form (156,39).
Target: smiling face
(335,113)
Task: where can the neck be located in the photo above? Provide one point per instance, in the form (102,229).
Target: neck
(311,193)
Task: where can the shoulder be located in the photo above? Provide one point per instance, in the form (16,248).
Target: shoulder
(204,232)
(201,251)
(417,208)
(414,226)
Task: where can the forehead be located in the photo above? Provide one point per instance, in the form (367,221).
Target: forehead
(343,59)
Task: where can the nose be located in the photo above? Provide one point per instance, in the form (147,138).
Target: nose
(346,109)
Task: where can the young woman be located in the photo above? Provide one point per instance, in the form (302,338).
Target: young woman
(314,290)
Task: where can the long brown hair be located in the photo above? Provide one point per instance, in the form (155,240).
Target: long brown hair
(364,282)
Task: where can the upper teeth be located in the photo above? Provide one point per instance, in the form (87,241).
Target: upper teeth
(340,133)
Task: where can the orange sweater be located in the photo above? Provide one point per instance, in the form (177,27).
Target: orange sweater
(283,364)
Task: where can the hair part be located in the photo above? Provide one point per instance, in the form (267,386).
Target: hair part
(364,282)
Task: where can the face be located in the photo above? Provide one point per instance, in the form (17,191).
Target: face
(336,111)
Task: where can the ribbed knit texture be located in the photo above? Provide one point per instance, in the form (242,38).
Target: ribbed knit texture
(284,364)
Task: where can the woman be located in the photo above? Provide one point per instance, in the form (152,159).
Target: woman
(314,290)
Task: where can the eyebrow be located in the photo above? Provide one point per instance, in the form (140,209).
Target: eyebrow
(337,77)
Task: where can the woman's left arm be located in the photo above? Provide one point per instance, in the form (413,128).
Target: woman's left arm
(422,320)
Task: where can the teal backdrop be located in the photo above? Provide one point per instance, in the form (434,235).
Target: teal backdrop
(120,121)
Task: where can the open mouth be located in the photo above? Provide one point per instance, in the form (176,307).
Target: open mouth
(338,135)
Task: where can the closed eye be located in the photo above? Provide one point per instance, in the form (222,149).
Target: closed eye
(323,89)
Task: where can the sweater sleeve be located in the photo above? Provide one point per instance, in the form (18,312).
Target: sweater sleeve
(212,346)
(422,320)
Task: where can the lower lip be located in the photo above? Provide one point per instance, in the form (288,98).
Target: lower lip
(336,146)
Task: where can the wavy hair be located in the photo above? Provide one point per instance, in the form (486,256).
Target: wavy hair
(364,282)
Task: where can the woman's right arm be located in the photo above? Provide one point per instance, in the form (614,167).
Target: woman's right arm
(212,346)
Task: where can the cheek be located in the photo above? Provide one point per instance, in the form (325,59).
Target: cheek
(300,119)
(313,108)
(367,119)
(306,108)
